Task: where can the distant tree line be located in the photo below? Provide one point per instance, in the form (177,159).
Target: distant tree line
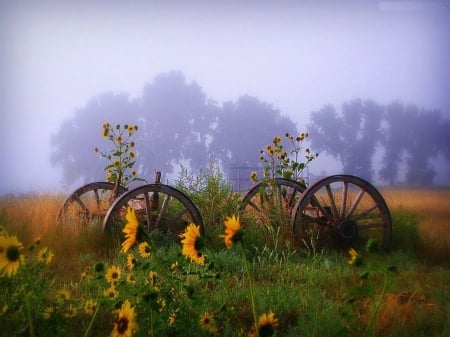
(178,124)
(404,136)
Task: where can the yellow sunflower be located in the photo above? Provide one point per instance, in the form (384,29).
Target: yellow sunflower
(172,319)
(130,230)
(124,323)
(131,261)
(112,293)
(89,307)
(144,250)
(355,258)
(11,256)
(131,279)
(62,295)
(207,322)
(45,255)
(233,232)
(192,243)
(266,325)
(113,274)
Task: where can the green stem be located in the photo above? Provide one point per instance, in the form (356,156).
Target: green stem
(30,320)
(224,283)
(250,285)
(94,315)
(377,306)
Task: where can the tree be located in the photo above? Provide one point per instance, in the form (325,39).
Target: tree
(351,137)
(73,145)
(243,128)
(394,141)
(178,121)
(412,137)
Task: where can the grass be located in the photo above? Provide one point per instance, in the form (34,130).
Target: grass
(308,290)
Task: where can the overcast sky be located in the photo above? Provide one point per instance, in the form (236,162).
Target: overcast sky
(295,55)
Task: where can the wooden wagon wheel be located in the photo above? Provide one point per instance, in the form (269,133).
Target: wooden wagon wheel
(158,206)
(88,203)
(344,210)
(271,201)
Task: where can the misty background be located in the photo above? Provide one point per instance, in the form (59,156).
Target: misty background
(223,78)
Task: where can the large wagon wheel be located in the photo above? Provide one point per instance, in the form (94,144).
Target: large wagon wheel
(344,210)
(88,204)
(158,206)
(271,201)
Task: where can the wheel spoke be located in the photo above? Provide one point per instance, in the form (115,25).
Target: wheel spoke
(366,213)
(332,202)
(280,197)
(344,199)
(148,211)
(254,206)
(322,209)
(85,211)
(375,225)
(163,209)
(355,203)
(97,200)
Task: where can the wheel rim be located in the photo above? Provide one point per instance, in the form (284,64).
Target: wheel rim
(87,205)
(271,202)
(341,210)
(172,211)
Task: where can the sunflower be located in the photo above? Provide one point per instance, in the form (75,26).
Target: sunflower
(233,232)
(355,258)
(124,323)
(89,307)
(172,319)
(62,295)
(48,312)
(111,293)
(11,256)
(152,276)
(207,322)
(131,261)
(130,230)
(144,250)
(131,279)
(192,243)
(45,255)
(266,325)
(113,274)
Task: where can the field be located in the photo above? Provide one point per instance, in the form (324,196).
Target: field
(311,292)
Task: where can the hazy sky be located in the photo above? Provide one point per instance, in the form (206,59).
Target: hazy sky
(296,55)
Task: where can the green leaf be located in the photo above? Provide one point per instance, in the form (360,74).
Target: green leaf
(361,292)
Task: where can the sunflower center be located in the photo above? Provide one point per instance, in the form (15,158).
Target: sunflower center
(13,253)
(122,325)
(266,330)
(115,275)
(198,244)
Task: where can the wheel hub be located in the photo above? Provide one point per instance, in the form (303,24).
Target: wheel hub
(348,230)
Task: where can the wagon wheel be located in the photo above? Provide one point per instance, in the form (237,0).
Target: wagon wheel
(87,204)
(341,210)
(271,202)
(157,206)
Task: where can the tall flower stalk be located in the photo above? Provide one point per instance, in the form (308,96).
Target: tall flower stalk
(234,234)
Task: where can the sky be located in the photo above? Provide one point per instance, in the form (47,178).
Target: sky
(296,55)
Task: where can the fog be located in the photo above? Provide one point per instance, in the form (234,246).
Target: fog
(297,56)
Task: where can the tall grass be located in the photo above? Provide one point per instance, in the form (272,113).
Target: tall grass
(307,289)
(422,216)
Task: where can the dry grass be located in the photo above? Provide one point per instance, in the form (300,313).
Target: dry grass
(432,207)
(32,217)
